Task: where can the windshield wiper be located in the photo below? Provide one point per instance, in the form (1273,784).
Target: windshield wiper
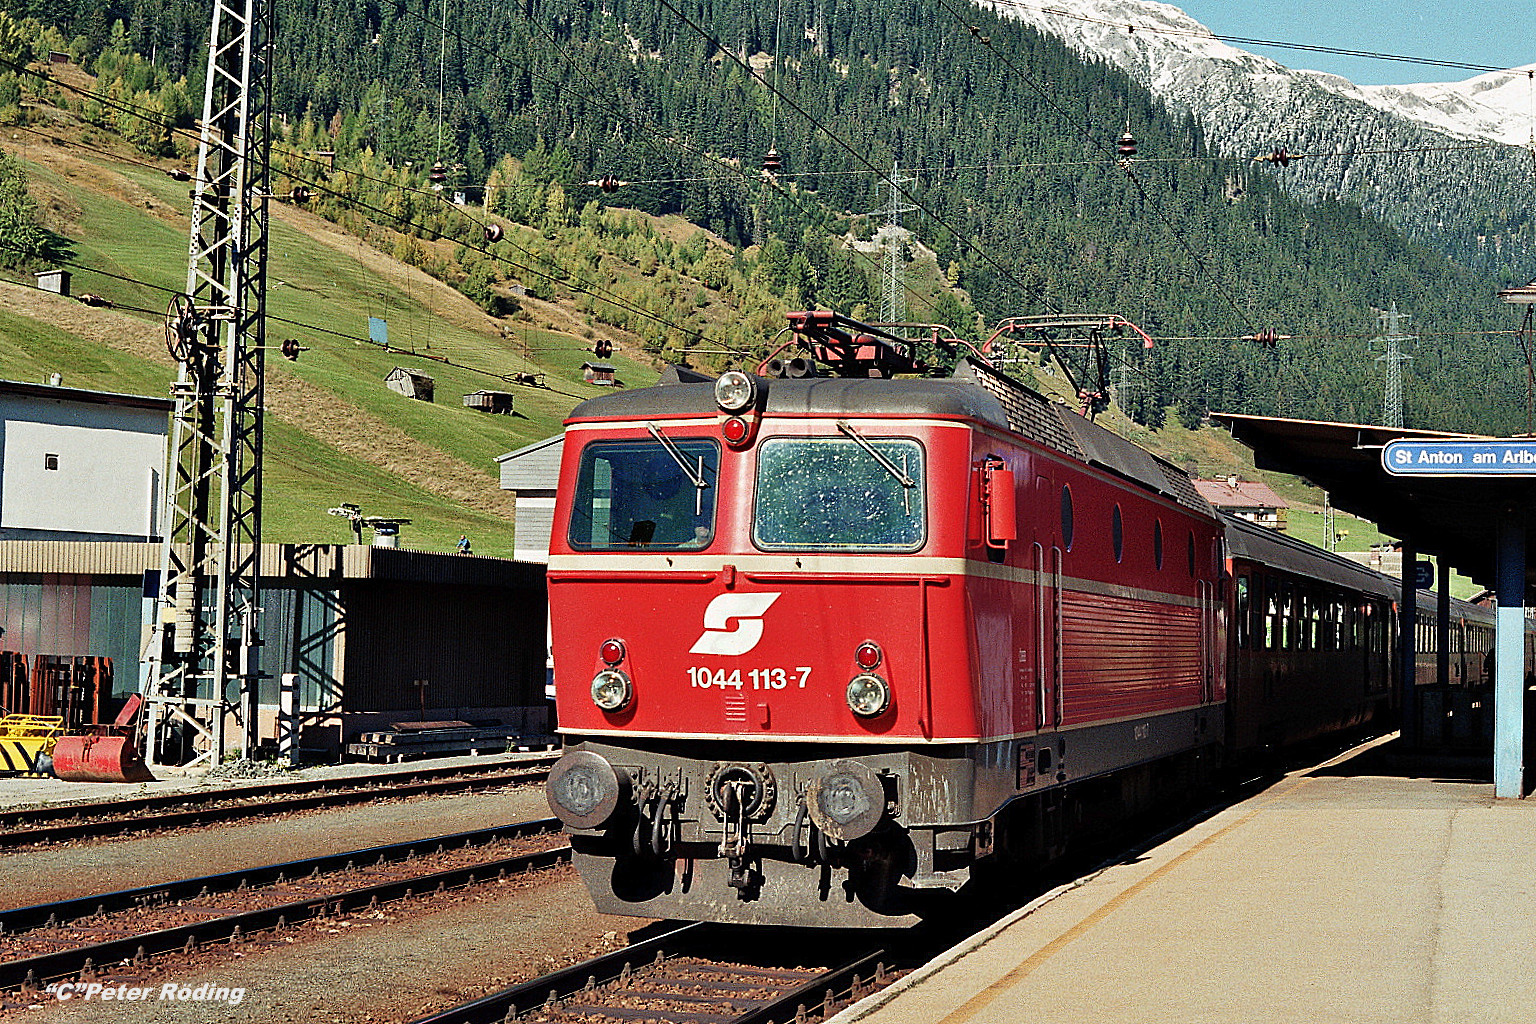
(679,457)
(864,442)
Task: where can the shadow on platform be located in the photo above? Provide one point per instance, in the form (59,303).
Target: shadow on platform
(1394,759)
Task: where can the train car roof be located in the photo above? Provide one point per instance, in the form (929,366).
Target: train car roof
(1271,547)
(830,396)
(1054,425)
(975,392)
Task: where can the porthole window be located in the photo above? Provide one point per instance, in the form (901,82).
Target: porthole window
(1191,552)
(1066,518)
(1117,533)
(1157,542)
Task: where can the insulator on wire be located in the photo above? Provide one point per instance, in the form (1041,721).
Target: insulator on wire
(290,349)
(438,174)
(1279,157)
(608,183)
(1125,147)
(493,232)
(300,194)
(179,174)
(773,163)
(94,300)
(1268,338)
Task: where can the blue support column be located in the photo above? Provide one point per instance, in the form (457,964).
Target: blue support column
(1407,649)
(1509,661)
(1443,624)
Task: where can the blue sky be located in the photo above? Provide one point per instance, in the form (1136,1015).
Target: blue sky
(1453,30)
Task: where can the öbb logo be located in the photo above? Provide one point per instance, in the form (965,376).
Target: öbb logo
(747,610)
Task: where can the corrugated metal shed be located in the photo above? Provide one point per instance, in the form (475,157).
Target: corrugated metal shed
(358,625)
(534,468)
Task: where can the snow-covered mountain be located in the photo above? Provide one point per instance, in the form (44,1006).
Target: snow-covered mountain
(1496,106)
(1181,61)
(1400,151)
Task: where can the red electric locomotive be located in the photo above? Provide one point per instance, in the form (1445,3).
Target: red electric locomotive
(824,645)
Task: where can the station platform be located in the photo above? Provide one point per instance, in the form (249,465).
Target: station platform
(1353,892)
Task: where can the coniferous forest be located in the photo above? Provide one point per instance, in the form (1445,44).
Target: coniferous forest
(1008,137)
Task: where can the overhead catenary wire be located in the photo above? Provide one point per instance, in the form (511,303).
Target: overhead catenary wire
(597,293)
(567,282)
(1093,139)
(650,135)
(859,157)
(299,324)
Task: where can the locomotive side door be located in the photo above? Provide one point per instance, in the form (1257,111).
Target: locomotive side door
(1046,563)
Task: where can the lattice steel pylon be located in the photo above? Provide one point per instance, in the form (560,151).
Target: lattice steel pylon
(205,641)
(1392,388)
(893,299)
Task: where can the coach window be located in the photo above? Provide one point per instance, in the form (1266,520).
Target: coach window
(1117,533)
(1240,618)
(1287,617)
(1157,542)
(1271,614)
(1066,517)
(853,493)
(645,494)
(1257,624)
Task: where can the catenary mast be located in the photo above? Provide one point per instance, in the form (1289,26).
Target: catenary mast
(202,655)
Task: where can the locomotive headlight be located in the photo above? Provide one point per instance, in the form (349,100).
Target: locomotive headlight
(611,690)
(868,695)
(735,391)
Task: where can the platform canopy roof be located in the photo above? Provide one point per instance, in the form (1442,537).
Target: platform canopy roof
(1455,518)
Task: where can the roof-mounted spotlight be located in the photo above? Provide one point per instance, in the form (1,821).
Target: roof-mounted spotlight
(735,391)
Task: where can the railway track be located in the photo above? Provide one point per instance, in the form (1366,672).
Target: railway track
(116,933)
(59,823)
(665,979)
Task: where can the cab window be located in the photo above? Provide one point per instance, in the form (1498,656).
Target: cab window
(840,494)
(645,495)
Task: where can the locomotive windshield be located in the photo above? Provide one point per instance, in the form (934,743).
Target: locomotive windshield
(839,494)
(650,494)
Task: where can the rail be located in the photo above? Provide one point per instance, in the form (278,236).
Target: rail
(93,912)
(141,814)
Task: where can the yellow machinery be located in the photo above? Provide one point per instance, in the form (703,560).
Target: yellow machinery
(24,739)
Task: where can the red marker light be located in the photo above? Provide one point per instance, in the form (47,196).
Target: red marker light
(735,430)
(611,651)
(868,656)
